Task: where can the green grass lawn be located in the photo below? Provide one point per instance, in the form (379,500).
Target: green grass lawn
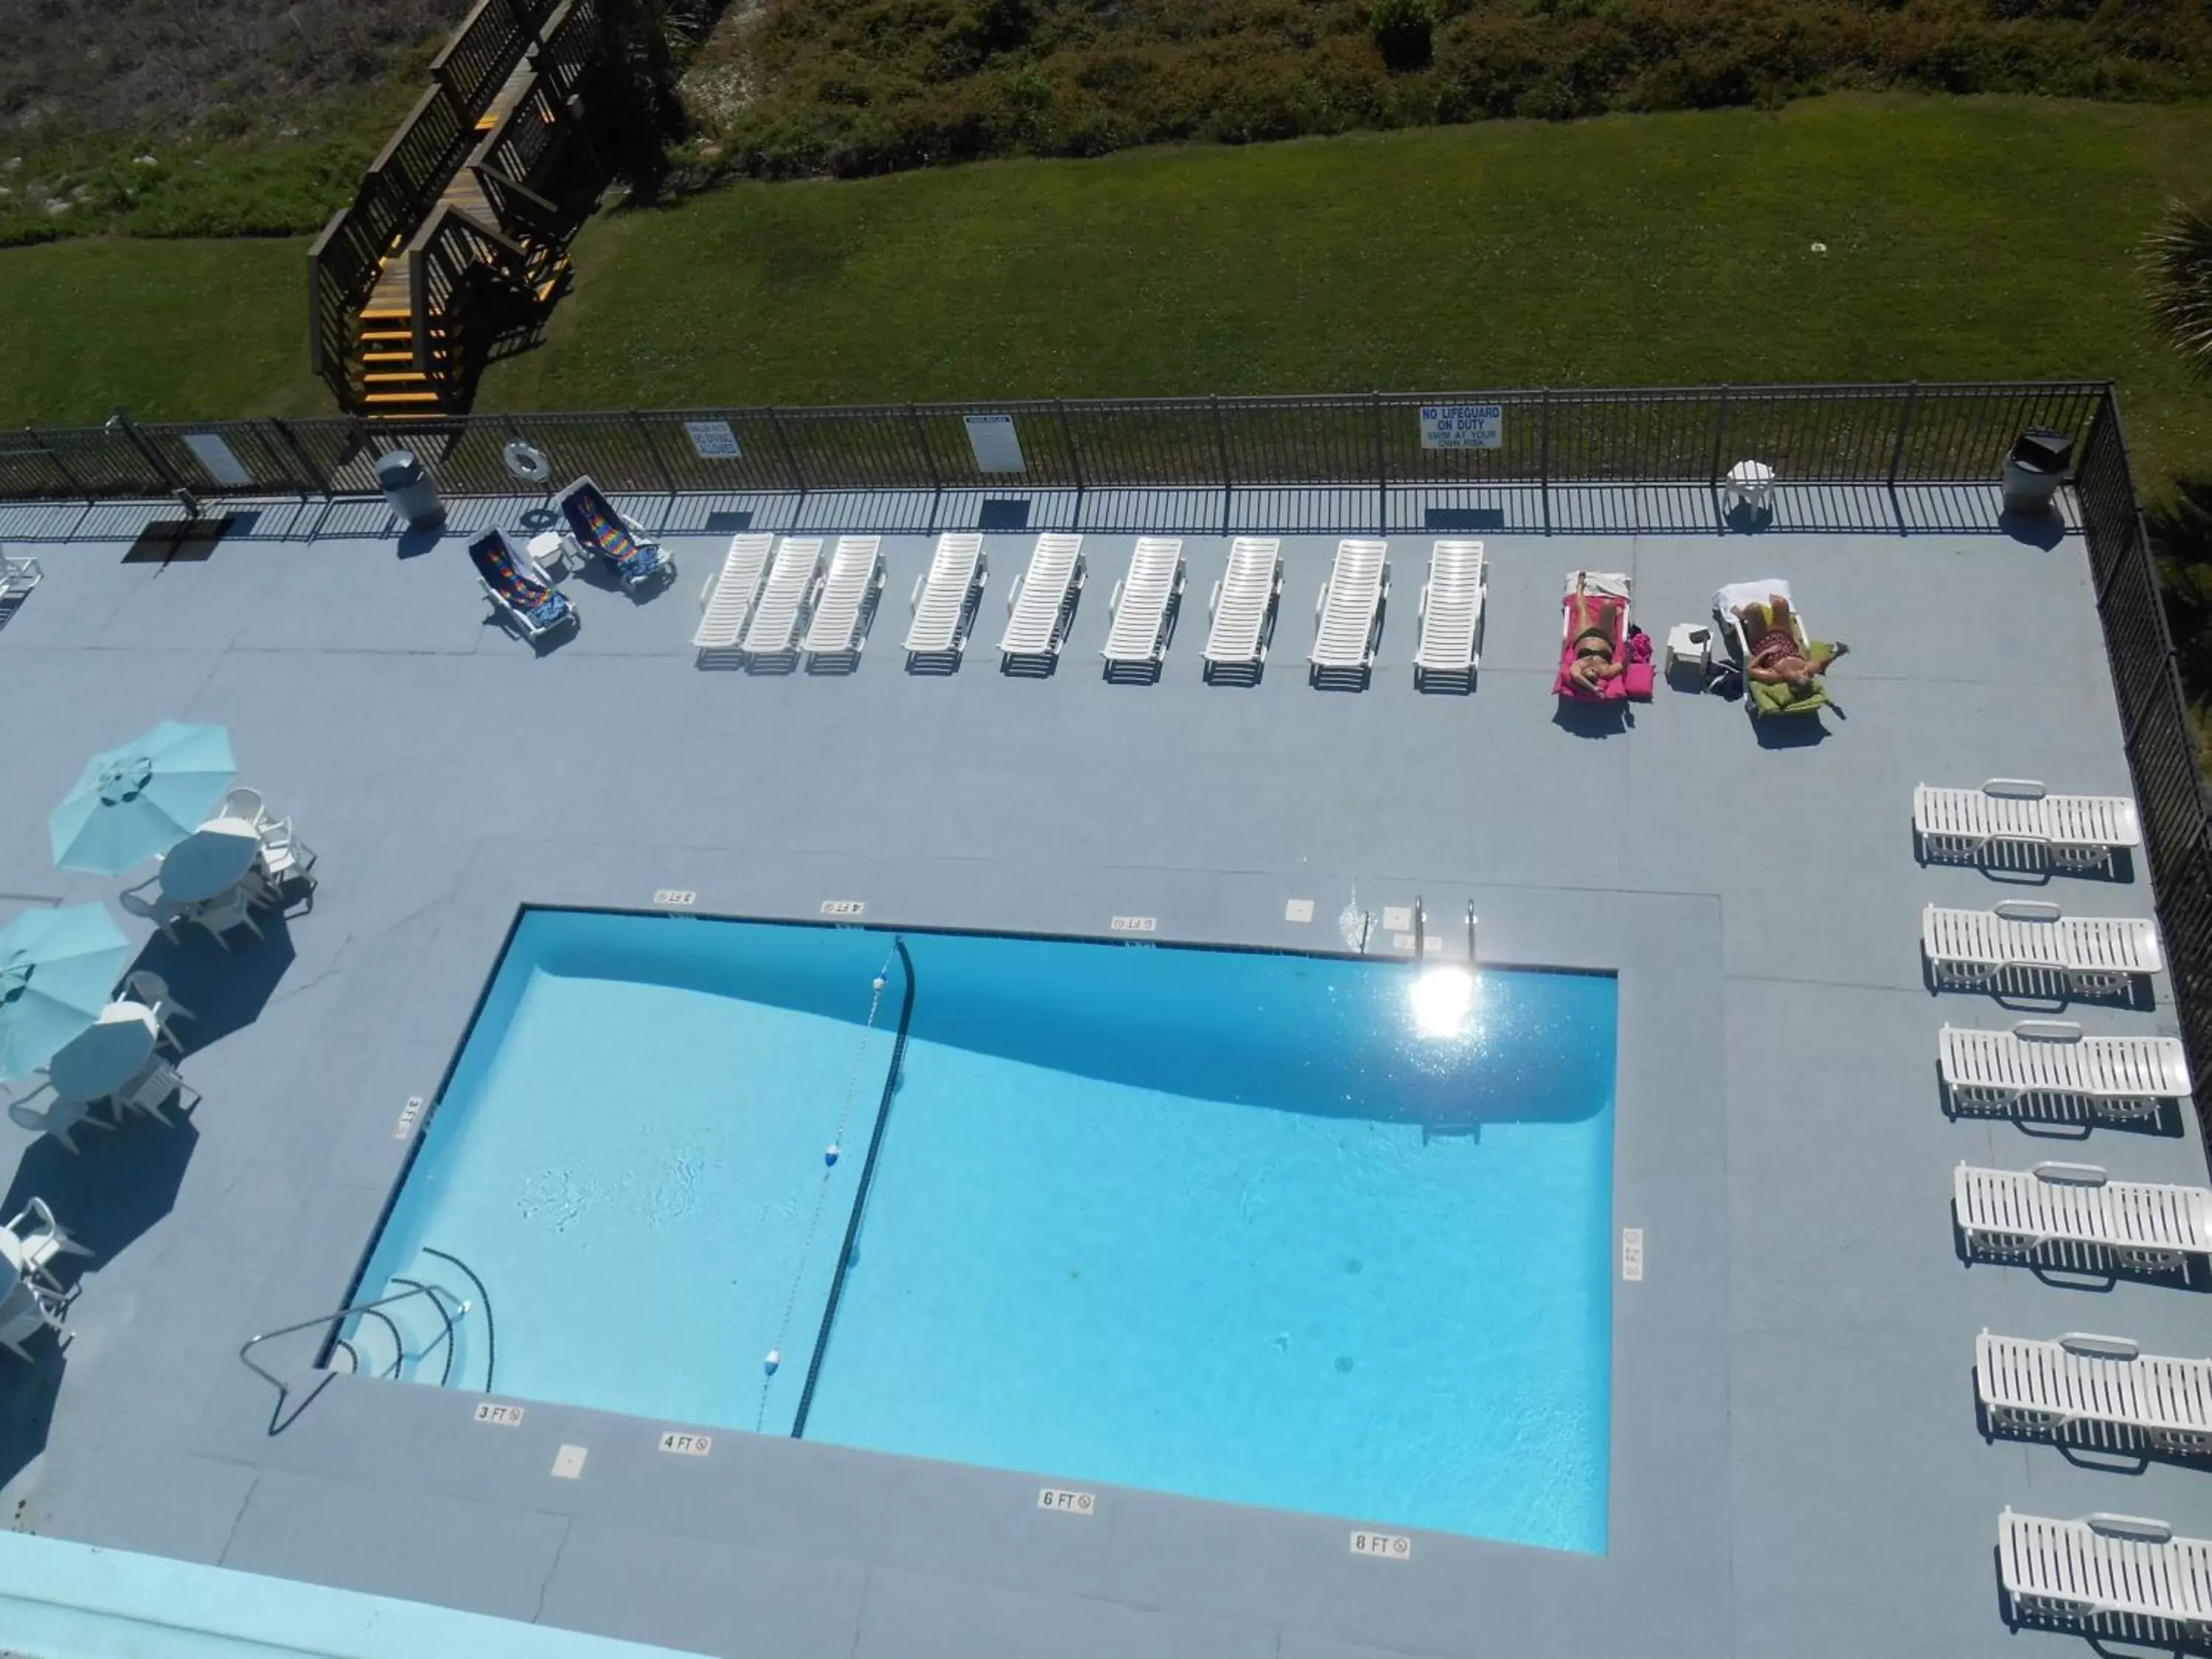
(168,330)
(1965,238)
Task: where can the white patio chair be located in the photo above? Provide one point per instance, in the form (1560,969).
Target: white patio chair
(149,989)
(284,858)
(218,916)
(26,1312)
(1243,605)
(1451,612)
(2123,1576)
(774,628)
(245,805)
(2051,1067)
(2075,1217)
(19,576)
(60,1117)
(726,600)
(1749,484)
(154,1086)
(40,1241)
(1138,637)
(856,571)
(943,599)
(2083,1382)
(164,913)
(1348,610)
(2090,956)
(1038,604)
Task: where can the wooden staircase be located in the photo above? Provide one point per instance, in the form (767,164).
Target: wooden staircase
(458,238)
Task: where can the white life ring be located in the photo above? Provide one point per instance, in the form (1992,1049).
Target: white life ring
(527,461)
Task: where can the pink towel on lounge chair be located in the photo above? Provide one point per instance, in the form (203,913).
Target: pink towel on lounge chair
(1636,680)
(1610,608)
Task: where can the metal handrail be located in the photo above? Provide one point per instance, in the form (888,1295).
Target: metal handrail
(284,1389)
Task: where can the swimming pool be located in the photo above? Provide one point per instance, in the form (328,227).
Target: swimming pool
(1311,1233)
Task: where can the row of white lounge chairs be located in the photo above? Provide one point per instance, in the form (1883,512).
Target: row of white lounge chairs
(765,593)
(2100,1576)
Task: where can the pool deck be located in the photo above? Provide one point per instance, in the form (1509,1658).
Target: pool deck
(1798,1467)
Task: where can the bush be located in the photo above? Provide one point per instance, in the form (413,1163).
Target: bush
(1401,30)
(869,85)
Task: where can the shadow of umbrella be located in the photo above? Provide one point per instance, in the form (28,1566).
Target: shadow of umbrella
(27,1402)
(226,992)
(112,1191)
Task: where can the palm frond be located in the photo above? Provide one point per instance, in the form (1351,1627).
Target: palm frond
(2177,259)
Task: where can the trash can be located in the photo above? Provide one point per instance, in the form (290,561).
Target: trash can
(2035,468)
(411,490)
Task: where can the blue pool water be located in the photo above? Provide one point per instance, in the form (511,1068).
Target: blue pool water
(1308,1233)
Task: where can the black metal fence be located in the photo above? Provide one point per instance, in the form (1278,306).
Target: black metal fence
(1866,435)
(1861,434)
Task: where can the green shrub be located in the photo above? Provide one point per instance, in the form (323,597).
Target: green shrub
(1402,32)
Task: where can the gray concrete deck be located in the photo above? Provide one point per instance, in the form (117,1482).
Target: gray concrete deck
(1798,1467)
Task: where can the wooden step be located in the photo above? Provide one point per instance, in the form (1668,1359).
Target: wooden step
(376,400)
(407,378)
(387,356)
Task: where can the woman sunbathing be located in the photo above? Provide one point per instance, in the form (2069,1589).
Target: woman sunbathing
(1596,659)
(1776,657)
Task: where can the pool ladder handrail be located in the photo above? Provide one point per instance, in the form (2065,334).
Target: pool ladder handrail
(372,1306)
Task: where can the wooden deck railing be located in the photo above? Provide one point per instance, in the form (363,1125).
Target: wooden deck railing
(414,168)
(441,261)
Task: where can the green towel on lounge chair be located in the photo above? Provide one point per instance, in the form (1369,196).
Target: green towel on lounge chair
(1788,699)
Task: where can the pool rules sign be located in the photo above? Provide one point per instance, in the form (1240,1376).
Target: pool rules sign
(1462,425)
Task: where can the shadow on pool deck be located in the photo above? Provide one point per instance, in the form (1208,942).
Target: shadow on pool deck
(225,990)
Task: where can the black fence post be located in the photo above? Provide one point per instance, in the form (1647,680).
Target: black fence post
(790,455)
(653,452)
(921,443)
(1067,437)
(1544,454)
(1382,467)
(1720,438)
(1904,431)
(308,469)
(61,466)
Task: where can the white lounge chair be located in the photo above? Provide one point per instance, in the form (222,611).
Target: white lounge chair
(774,626)
(519,589)
(2049,1067)
(26,1312)
(1348,610)
(593,527)
(856,571)
(1451,612)
(944,598)
(1965,826)
(2084,1382)
(2074,1216)
(726,600)
(1138,637)
(39,1239)
(2089,955)
(2119,1575)
(1039,599)
(1243,604)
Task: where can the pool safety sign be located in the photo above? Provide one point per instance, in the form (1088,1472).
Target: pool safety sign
(218,458)
(998,449)
(1462,425)
(712,440)
(1063,1500)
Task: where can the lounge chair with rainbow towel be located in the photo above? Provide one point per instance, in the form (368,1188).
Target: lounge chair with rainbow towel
(1742,637)
(520,593)
(594,529)
(1611,596)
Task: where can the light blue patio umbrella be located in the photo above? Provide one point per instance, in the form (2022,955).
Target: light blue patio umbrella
(142,799)
(57,970)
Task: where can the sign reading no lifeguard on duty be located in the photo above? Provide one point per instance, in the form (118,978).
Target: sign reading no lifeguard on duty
(1462,425)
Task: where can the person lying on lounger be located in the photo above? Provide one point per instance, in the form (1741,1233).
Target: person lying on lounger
(1777,658)
(1589,625)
